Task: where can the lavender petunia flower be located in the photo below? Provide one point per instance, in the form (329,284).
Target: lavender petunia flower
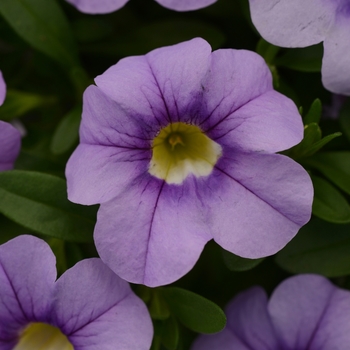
(305,312)
(107,6)
(10,137)
(301,23)
(178,146)
(87,308)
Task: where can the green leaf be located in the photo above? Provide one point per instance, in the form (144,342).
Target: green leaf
(39,202)
(308,59)
(43,25)
(195,312)
(329,204)
(236,263)
(66,133)
(344,118)
(158,308)
(267,50)
(170,333)
(18,103)
(9,229)
(161,33)
(311,143)
(335,166)
(319,247)
(314,113)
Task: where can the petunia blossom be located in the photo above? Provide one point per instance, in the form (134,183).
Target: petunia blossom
(107,6)
(305,312)
(10,137)
(88,307)
(179,147)
(301,23)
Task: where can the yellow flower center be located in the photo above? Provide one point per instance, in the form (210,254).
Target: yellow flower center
(41,336)
(180,150)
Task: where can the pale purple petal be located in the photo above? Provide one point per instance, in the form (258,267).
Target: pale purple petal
(248,319)
(163,86)
(334,327)
(269,123)
(185,5)
(258,202)
(2,89)
(336,58)
(94,306)
(245,77)
(27,276)
(248,325)
(97,174)
(10,138)
(296,23)
(10,144)
(297,307)
(98,6)
(157,237)
(114,150)
(224,340)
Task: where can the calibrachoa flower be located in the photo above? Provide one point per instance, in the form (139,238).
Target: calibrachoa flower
(301,23)
(178,146)
(106,6)
(88,307)
(10,137)
(305,312)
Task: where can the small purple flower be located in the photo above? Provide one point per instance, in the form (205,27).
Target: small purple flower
(10,137)
(87,308)
(301,23)
(178,146)
(107,6)
(305,312)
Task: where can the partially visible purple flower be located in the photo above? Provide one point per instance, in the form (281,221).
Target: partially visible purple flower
(332,110)
(305,312)
(87,308)
(300,23)
(106,6)
(178,146)
(10,137)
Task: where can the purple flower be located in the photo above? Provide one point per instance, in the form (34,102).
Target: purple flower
(88,307)
(178,146)
(10,137)
(106,6)
(301,23)
(305,312)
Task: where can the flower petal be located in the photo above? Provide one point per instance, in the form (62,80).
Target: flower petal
(104,122)
(165,240)
(112,153)
(10,144)
(269,123)
(336,62)
(296,23)
(245,77)
(96,174)
(94,306)
(296,308)
(27,276)
(2,89)
(248,325)
(185,5)
(163,86)
(98,6)
(222,340)
(258,202)
(248,319)
(334,329)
